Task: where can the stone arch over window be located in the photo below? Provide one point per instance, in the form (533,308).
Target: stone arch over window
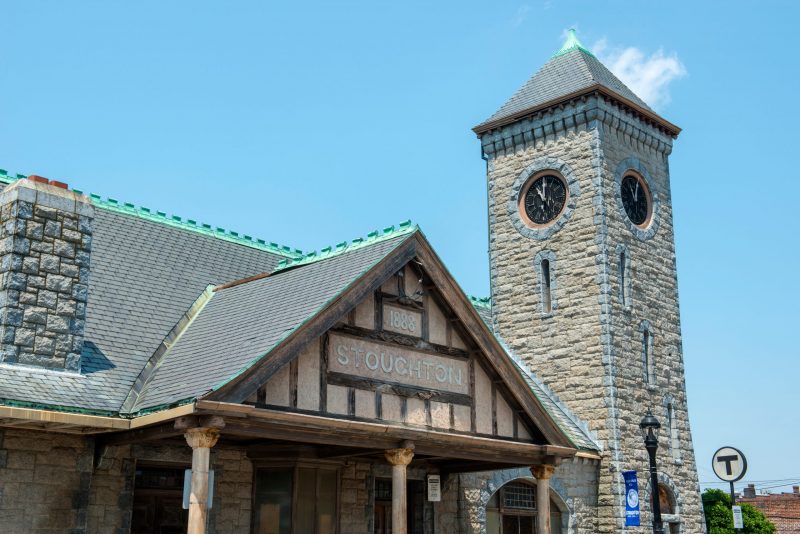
(624,278)
(671,427)
(648,363)
(562,516)
(545,264)
(670,500)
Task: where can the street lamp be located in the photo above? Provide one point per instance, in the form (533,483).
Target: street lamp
(650,427)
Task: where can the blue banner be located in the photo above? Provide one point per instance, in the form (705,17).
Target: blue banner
(631,499)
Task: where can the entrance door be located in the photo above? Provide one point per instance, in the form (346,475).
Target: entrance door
(415,506)
(158,502)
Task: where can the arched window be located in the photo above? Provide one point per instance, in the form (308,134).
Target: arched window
(512,510)
(648,367)
(669,512)
(545,264)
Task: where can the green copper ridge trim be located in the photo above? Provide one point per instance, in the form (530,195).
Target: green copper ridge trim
(481,302)
(57,408)
(405,227)
(112,204)
(572,43)
(159,408)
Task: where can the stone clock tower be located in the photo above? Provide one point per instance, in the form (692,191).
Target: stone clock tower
(583,272)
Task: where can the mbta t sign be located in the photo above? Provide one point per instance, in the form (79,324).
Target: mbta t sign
(729,464)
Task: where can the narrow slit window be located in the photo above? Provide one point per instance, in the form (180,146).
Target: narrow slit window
(622,274)
(547,301)
(646,355)
(674,440)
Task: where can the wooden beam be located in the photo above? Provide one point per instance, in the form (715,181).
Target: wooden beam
(162,431)
(315,429)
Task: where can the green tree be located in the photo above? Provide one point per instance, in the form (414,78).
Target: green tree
(719,517)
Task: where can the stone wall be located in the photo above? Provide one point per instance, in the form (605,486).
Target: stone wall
(45,241)
(653,301)
(588,350)
(45,481)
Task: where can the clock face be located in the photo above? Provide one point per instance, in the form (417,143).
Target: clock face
(544,199)
(635,199)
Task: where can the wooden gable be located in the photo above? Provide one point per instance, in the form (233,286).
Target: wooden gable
(401,356)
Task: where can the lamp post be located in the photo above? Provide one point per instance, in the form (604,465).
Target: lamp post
(650,427)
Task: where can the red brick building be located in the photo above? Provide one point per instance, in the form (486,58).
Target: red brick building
(782,509)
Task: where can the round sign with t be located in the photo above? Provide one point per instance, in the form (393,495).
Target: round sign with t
(729,464)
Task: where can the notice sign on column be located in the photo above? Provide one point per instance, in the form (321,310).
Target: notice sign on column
(434,488)
(631,499)
(738,522)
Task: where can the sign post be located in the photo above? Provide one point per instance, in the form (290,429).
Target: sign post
(730,465)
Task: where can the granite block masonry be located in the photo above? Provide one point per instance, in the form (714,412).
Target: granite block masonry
(45,247)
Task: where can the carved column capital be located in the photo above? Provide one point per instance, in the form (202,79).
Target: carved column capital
(399,456)
(202,437)
(543,471)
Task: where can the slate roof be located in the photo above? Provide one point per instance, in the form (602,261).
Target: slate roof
(149,272)
(241,324)
(570,70)
(146,271)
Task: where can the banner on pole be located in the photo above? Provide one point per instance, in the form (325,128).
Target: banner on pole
(631,499)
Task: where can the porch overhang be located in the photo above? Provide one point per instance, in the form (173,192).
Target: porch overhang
(468,451)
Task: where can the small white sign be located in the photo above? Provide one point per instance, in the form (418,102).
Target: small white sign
(434,488)
(729,464)
(738,522)
(187,488)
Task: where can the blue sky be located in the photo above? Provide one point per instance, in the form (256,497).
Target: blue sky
(311,123)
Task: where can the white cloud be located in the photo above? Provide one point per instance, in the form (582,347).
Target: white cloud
(647,76)
(520,15)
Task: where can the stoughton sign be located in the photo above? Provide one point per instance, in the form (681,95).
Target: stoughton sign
(399,365)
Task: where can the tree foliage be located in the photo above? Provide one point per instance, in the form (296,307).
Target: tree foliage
(719,517)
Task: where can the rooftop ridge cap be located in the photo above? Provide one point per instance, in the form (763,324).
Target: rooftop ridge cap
(572,43)
(525,368)
(112,204)
(483,302)
(376,236)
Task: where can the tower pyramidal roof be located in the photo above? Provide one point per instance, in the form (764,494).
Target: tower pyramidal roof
(571,72)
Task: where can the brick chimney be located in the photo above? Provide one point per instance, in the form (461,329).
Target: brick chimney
(750,491)
(45,243)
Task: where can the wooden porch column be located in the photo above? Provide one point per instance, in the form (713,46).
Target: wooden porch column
(399,458)
(542,474)
(200,440)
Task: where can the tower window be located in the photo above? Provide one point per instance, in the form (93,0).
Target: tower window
(647,353)
(545,265)
(547,302)
(672,428)
(624,276)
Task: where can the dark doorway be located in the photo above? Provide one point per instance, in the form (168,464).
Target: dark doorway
(415,506)
(158,501)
